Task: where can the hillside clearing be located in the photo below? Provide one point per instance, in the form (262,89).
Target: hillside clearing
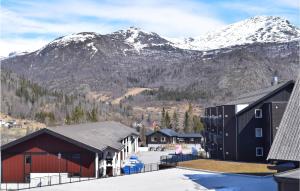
(130,92)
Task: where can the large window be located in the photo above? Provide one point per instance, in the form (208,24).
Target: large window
(259,151)
(153,139)
(258,132)
(258,113)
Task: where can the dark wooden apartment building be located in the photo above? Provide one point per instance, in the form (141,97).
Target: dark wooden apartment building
(244,129)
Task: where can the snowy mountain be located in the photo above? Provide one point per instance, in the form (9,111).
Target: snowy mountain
(139,39)
(260,29)
(251,51)
(134,40)
(263,29)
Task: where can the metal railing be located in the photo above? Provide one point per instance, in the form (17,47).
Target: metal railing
(64,178)
(174,159)
(166,161)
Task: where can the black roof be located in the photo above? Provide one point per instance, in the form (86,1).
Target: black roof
(253,96)
(286,145)
(266,94)
(172,133)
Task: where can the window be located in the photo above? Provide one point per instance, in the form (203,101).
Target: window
(192,139)
(259,151)
(258,113)
(258,132)
(163,139)
(153,139)
(28,159)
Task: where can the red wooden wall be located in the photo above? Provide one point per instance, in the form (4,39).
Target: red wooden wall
(43,150)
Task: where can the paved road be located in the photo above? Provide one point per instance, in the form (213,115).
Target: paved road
(154,156)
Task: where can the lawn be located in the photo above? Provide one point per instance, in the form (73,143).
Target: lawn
(228,166)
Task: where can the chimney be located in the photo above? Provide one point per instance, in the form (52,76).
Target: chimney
(275,79)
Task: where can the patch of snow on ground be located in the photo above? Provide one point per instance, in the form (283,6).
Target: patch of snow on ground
(174,180)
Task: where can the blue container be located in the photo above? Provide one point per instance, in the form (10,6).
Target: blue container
(134,166)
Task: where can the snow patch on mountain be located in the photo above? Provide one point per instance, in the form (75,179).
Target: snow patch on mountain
(139,39)
(256,29)
(93,47)
(79,37)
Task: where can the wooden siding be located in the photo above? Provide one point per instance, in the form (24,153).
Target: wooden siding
(158,137)
(230,130)
(44,150)
(246,121)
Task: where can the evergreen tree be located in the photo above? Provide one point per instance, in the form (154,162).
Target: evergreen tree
(162,120)
(198,126)
(168,120)
(186,122)
(77,114)
(175,121)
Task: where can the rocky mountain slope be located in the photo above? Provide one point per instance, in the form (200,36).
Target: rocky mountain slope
(225,64)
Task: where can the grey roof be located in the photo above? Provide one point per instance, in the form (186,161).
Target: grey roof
(172,133)
(253,96)
(190,135)
(291,174)
(93,136)
(286,145)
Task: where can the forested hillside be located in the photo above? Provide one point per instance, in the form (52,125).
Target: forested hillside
(22,98)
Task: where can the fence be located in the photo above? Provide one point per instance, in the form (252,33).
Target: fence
(166,161)
(65,178)
(174,159)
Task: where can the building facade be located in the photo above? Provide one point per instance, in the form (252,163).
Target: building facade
(169,136)
(85,150)
(244,129)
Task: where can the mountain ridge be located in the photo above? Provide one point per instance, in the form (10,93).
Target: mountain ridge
(134,58)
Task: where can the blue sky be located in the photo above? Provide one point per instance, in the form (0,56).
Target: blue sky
(30,24)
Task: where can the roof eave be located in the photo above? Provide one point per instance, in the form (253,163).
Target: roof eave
(264,97)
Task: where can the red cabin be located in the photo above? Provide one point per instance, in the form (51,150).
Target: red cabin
(66,149)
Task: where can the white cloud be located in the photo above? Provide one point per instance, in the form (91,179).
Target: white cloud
(289,3)
(20,45)
(170,18)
